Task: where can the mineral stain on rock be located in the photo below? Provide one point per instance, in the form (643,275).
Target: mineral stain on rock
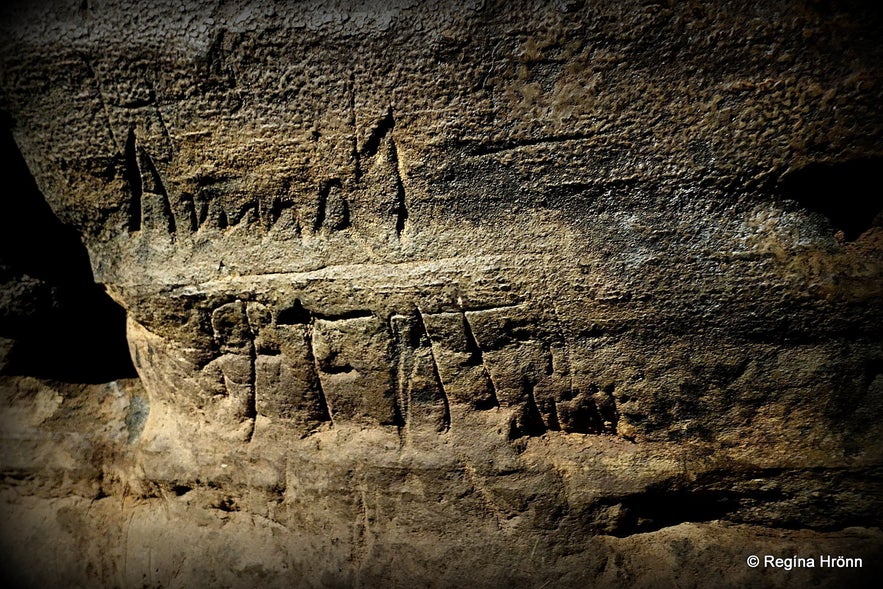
(139,408)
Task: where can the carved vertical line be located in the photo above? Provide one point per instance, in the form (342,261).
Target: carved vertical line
(133,178)
(166,209)
(190,211)
(475,348)
(402,395)
(101,98)
(351,106)
(162,121)
(155,189)
(532,411)
(323,399)
(565,337)
(438,379)
(378,134)
(322,206)
(398,362)
(251,409)
(401,209)
(337,221)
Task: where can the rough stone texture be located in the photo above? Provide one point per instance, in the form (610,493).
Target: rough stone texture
(458,294)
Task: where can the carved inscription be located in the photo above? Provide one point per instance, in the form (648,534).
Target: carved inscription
(353,356)
(459,360)
(286,383)
(150,207)
(234,368)
(302,368)
(420,391)
(371,199)
(265,369)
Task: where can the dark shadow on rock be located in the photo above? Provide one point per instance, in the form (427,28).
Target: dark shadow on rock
(847,193)
(64,326)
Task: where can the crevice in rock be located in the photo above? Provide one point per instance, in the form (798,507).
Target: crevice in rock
(354,314)
(844,192)
(656,509)
(294,315)
(334,369)
(181,489)
(226,504)
(775,498)
(492,148)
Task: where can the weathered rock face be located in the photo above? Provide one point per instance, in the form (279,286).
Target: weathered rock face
(406,281)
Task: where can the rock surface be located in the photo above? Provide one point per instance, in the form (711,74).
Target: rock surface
(548,294)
